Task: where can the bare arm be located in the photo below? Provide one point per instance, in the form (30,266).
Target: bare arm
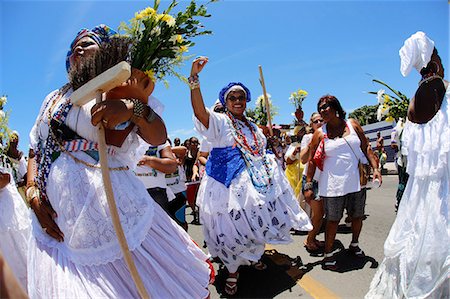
(316,139)
(165,164)
(112,113)
(203,157)
(43,210)
(5,178)
(366,149)
(200,112)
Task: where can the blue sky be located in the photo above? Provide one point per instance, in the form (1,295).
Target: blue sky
(334,47)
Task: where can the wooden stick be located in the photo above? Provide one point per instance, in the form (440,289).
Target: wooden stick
(113,208)
(266,100)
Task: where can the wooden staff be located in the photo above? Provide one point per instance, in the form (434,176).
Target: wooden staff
(266,100)
(102,83)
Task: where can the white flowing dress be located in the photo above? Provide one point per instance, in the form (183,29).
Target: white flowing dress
(89,262)
(14,229)
(238,221)
(417,249)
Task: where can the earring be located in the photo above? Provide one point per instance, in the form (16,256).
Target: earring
(337,114)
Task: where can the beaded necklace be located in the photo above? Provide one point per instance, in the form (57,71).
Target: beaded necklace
(261,178)
(50,148)
(429,77)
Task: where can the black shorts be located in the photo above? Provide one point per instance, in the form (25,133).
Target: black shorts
(354,203)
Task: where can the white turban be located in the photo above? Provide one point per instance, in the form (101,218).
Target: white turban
(416,52)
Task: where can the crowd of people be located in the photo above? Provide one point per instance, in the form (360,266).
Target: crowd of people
(246,188)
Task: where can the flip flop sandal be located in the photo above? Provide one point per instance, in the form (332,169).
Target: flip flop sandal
(260,266)
(231,285)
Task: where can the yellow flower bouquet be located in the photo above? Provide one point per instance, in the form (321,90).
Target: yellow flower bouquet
(160,40)
(297,98)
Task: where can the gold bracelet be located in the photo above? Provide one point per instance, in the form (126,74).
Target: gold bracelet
(31,193)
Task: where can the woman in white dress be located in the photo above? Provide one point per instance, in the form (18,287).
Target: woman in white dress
(417,251)
(85,259)
(14,223)
(245,199)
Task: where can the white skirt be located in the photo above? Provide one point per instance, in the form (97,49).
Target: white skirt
(89,263)
(14,231)
(238,221)
(417,249)
(169,263)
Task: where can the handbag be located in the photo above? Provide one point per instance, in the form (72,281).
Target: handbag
(319,155)
(362,167)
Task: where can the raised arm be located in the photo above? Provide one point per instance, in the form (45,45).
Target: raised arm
(200,112)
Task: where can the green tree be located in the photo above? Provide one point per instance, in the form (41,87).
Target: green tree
(365,114)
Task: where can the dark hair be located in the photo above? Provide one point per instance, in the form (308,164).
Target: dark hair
(431,67)
(433,90)
(334,103)
(193,138)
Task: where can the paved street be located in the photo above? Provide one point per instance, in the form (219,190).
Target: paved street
(285,279)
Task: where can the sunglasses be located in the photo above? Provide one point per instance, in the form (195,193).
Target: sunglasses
(324,107)
(235,99)
(318,121)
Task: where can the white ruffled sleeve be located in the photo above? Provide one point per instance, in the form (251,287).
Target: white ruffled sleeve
(217,123)
(34,133)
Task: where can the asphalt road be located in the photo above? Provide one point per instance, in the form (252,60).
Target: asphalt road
(286,277)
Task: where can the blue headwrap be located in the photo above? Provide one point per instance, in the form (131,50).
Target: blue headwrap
(99,34)
(224,92)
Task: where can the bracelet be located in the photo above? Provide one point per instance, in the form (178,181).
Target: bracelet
(308,186)
(194,82)
(30,184)
(31,193)
(138,110)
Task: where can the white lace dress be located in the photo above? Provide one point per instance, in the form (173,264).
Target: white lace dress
(89,263)
(238,221)
(14,229)
(417,249)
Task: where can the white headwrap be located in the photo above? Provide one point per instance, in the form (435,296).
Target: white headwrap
(416,52)
(234,88)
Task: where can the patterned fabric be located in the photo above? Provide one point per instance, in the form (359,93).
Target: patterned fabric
(224,164)
(84,145)
(99,34)
(252,154)
(49,150)
(230,85)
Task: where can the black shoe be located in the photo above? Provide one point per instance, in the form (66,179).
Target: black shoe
(356,251)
